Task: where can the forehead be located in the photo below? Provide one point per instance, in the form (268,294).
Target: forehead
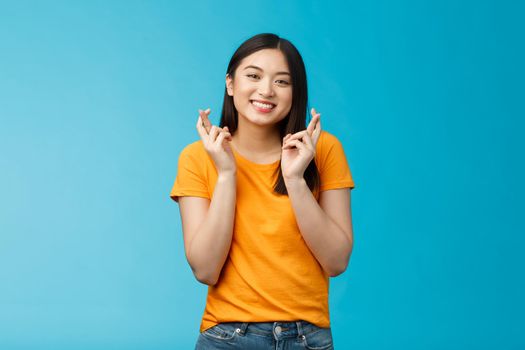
(269,60)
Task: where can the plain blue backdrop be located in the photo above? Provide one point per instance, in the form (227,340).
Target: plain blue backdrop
(98,98)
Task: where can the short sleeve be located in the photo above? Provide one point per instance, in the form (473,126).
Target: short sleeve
(334,170)
(191,175)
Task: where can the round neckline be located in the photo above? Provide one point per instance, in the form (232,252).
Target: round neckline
(253,164)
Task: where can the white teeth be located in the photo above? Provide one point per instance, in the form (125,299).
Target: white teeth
(262,105)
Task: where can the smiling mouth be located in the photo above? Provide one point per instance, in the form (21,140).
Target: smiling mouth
(263,107)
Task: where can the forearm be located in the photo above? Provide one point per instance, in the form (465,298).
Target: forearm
(211,244)
(328,242)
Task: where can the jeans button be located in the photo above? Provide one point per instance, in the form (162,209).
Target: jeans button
(278,330)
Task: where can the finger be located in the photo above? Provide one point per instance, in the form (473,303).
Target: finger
(308,141)
(220,138)
(200,129)
(206,122)
(229,135)
(314,112)
(298,135)
(205,119)
(214,131)
(291,143)
(224,136)
(317,132)
(312,124)
(226,133)
(288,144)
(206,125)
(295,143)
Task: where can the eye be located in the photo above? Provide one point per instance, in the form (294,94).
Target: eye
(283,82)
(252,76)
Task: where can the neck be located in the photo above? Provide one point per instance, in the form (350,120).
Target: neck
(256,139)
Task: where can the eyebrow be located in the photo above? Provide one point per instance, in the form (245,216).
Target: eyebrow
(258,68)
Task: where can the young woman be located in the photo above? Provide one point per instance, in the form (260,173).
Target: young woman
(265,207)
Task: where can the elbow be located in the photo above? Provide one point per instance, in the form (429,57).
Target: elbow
(336,270)
(338,267)
(204,276)
(207,281)
(207,278)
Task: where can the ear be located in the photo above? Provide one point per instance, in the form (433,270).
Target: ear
(229,85)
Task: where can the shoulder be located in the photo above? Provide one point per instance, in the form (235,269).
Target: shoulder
(194,149)
(327,141)
(329,150)
(194,155)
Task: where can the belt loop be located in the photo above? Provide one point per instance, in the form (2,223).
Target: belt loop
(299,329)
(244,326)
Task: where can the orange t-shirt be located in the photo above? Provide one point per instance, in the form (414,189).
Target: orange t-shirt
(270,273)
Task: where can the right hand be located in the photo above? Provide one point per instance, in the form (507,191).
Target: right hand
(216,141)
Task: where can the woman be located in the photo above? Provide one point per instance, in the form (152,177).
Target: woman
(265,226)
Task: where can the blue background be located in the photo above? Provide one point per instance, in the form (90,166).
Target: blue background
(97,99)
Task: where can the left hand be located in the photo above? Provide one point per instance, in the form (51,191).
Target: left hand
(298,149)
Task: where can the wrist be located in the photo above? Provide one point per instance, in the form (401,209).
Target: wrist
(294,181)
(227,175)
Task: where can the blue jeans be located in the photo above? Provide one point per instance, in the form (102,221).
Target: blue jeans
(266,336)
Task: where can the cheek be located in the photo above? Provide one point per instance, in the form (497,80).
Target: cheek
(287,101)
(242,95)
(237,102)
(287,96)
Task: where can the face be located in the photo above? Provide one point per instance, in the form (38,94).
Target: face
(262,87)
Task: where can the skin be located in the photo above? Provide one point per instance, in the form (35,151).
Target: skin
(326,226)
(257,135)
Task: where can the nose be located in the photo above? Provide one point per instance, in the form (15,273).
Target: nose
(266,88)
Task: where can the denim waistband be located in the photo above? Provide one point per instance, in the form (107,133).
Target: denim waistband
(280,329)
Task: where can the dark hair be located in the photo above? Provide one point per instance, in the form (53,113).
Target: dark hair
(295,121)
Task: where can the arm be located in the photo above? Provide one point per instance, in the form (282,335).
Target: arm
(208,228)
(325,226)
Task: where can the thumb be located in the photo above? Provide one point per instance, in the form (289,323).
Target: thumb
(227,130)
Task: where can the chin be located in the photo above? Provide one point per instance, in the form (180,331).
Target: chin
(263,119)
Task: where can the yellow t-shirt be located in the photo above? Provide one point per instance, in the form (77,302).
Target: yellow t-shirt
(270,273)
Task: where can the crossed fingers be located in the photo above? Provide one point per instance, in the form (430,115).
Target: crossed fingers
(310,135)
(206,128)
